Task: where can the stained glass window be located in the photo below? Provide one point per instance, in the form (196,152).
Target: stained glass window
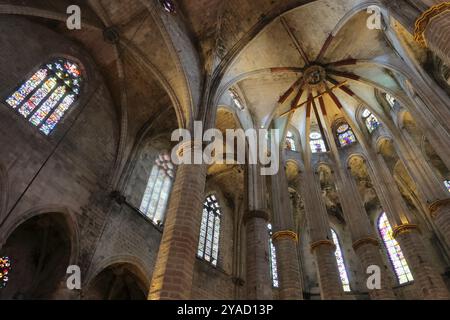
(371,121)
(273,259)
(290,141)
(208,246)
(48,94)
(396,256)
(391,100)
(340,263)
(345,135)
(447,184)
(5,268)
(156,195)
(316,143)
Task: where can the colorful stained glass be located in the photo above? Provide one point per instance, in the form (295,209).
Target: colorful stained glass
(48,106)
(343,128)
(17,97)
(340,262)
(273,259)
(208,245)
(395,253)
(29,106)
(372,122)
(48,94)
(5,269)
(345,135)
(156,195)
(57,115)
(447,184)
(316,143)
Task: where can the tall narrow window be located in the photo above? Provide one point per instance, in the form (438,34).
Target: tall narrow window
(391,100)
(396,257)
(273,259)
(290,141)
(371,121)
(48,94)
(345,135)
(236,99)
(447,184)
(340,262)
(208,246)
(156,195)
(316,143)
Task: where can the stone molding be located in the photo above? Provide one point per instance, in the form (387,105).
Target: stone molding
(425,18)
(285,234)
(255,214)
(319,243)
(435,206)
(368,240)
(404,228)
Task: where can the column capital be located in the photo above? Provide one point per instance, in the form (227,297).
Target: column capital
(261,214)
(435,206)
(424,19)
(404,228)
(285,234)
(189,145)
(319,243)
(367,240)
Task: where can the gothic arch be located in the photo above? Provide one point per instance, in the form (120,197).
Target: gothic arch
(41,244)
(127,269)
(68,216)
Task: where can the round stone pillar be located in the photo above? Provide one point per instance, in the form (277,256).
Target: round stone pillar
(259,284)
(327,269)
(427,280)
(368,252)
(440,214)
(174,268)
(432,29)
(285,243)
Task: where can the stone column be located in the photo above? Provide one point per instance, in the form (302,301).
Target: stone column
(432,28)
(256,219)
(285,239)
(322,245)
(428,281)
(173,273)
(431,189)
(365,242)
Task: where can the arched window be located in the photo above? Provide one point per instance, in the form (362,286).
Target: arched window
(208,246)
(236,99)
(290,141)
(156,195)
(345,135)
(317,144)
(273,259)
(391,100)
(340,263)
(371,121)
(48,94)
(396,257)
(447,184)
